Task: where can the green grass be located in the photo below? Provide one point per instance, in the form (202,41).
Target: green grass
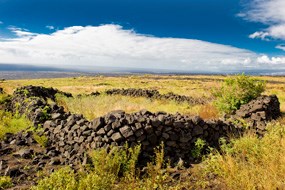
(12,124)
(5,182)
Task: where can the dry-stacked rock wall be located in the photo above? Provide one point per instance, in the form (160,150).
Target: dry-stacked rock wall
(154,94)
(257,113)
(71,135)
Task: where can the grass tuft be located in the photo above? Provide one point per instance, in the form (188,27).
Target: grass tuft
(12,123)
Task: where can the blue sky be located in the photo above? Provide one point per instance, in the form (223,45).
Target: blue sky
(231,34)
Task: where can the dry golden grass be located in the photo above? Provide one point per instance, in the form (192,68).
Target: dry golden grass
(248,163)
(92,107)
(208,111)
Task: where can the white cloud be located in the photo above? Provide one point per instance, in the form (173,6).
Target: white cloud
(268,12)
(81,47)
(21,32)
(261,35)
(272,61)
(281,46)
(50,27)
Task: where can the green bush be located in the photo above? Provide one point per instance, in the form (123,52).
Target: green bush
(4,98)
(10,123)
(42,140)
(108,168)
(63,179)
(111,170)
(236,91)
(5,182)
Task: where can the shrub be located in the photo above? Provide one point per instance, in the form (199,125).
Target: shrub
(42,140)
(108,168)
(63,179)
(5,182)
(112,170)
(4,98)
(12,123)
(199,146)
(237,90)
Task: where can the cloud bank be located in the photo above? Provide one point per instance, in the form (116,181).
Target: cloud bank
(85,47)
(270,13)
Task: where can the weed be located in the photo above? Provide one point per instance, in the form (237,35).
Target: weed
(5,182)
(199,146)
(12,123)
(42,140)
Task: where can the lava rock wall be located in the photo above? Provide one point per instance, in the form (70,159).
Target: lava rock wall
(71,135)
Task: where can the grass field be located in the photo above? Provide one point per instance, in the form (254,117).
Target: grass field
(245,163)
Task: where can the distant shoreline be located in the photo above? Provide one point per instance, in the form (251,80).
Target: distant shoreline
(17,75)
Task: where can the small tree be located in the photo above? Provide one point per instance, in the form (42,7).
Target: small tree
(236,91)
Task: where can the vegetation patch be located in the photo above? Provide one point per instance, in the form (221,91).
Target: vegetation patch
(248,162)
(236,91)
(114,169)
(5,182)
(10,123)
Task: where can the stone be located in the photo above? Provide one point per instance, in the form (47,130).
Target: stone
(116,137)
(81,122)
(155,122)
(101,131)
(178,124)
(139,132)
(97,123)
(171,143)
(87,133)
(55,161)
(57,129)
(116,124)
(173,136)
(141,138)
(110,133)
(138,125)
(196,120)
(197,130)
(152,138)
(107,128)
(148,129)
(185,139)
(165,135)
(24,153)
(145,112)
(49,124)
(13,171)
(126,131)
(130,119)
(98,139)
(161,118)
(55,116)
(71,120)
(261,125)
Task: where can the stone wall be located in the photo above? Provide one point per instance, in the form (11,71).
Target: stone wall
(154,94)
(257,113)
(71,135)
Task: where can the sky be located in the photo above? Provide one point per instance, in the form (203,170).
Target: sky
(174,35)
